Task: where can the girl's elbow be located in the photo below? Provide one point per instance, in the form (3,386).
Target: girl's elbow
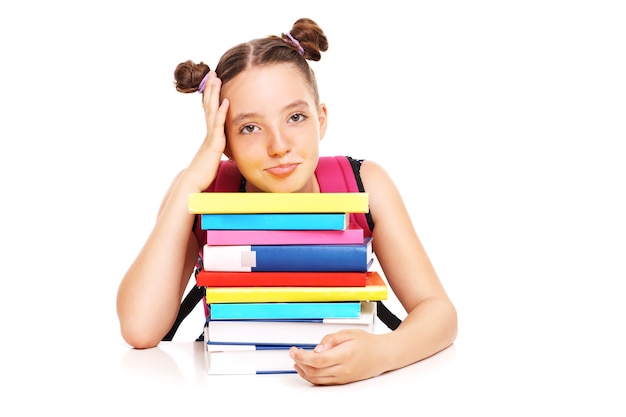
(139,337)
(452,322)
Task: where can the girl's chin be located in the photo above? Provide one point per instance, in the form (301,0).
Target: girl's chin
(283,187)
(281,190)
(290,184)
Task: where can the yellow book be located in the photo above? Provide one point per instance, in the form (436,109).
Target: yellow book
(375,289)
(211,203)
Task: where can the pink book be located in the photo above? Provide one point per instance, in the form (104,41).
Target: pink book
(353,234)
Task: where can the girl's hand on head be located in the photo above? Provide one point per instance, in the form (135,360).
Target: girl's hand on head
(203,167)
(214,113)
(340,358)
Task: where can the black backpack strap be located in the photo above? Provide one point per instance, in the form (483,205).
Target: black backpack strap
(386,316)
(193,297)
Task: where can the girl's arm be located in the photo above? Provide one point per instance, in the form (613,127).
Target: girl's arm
(431,323)
(150,293)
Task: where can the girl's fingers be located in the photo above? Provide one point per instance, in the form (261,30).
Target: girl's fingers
(211,94)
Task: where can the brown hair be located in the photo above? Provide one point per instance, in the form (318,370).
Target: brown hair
(263,51)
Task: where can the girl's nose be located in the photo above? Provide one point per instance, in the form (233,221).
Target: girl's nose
(279,144)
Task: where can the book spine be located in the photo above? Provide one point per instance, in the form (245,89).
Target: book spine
(237,347)
(280,279)
(277,372)
(282,332)
(352,235)
(374,290)
(248,359)
(234,202)
(311,310)
(275,221)
(258,258)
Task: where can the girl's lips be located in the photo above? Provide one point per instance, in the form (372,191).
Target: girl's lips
(282,170)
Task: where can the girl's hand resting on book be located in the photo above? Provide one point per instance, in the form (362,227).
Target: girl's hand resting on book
(340,358)
(214,143)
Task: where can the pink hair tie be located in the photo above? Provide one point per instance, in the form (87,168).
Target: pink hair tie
(296,43)
(203,83)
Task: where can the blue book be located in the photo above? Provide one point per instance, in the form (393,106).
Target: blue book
(233,346)
(330,258)
(308,310)
(249,359)
(275,221)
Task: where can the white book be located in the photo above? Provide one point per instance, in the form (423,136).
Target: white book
(225,359)
(287,332)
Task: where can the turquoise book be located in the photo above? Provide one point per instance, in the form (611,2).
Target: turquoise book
(287,331)
(307,310)
(275,221)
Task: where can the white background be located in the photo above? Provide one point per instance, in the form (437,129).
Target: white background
(503,124)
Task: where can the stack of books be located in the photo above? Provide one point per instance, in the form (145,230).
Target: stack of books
(282,270)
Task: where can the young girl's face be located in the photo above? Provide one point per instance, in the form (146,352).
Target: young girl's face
(274,128)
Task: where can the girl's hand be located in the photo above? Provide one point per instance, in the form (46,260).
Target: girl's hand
(340,358)
(203,167)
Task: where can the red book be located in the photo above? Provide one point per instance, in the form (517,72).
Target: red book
(280,279)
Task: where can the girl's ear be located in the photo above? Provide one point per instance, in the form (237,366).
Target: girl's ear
(322,113)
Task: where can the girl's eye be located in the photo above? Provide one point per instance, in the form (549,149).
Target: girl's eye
(297,117)
(249,129)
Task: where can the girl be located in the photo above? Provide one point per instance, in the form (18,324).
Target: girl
(263,112)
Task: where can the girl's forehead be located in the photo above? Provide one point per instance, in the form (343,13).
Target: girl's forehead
(267,82)
(269,72)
